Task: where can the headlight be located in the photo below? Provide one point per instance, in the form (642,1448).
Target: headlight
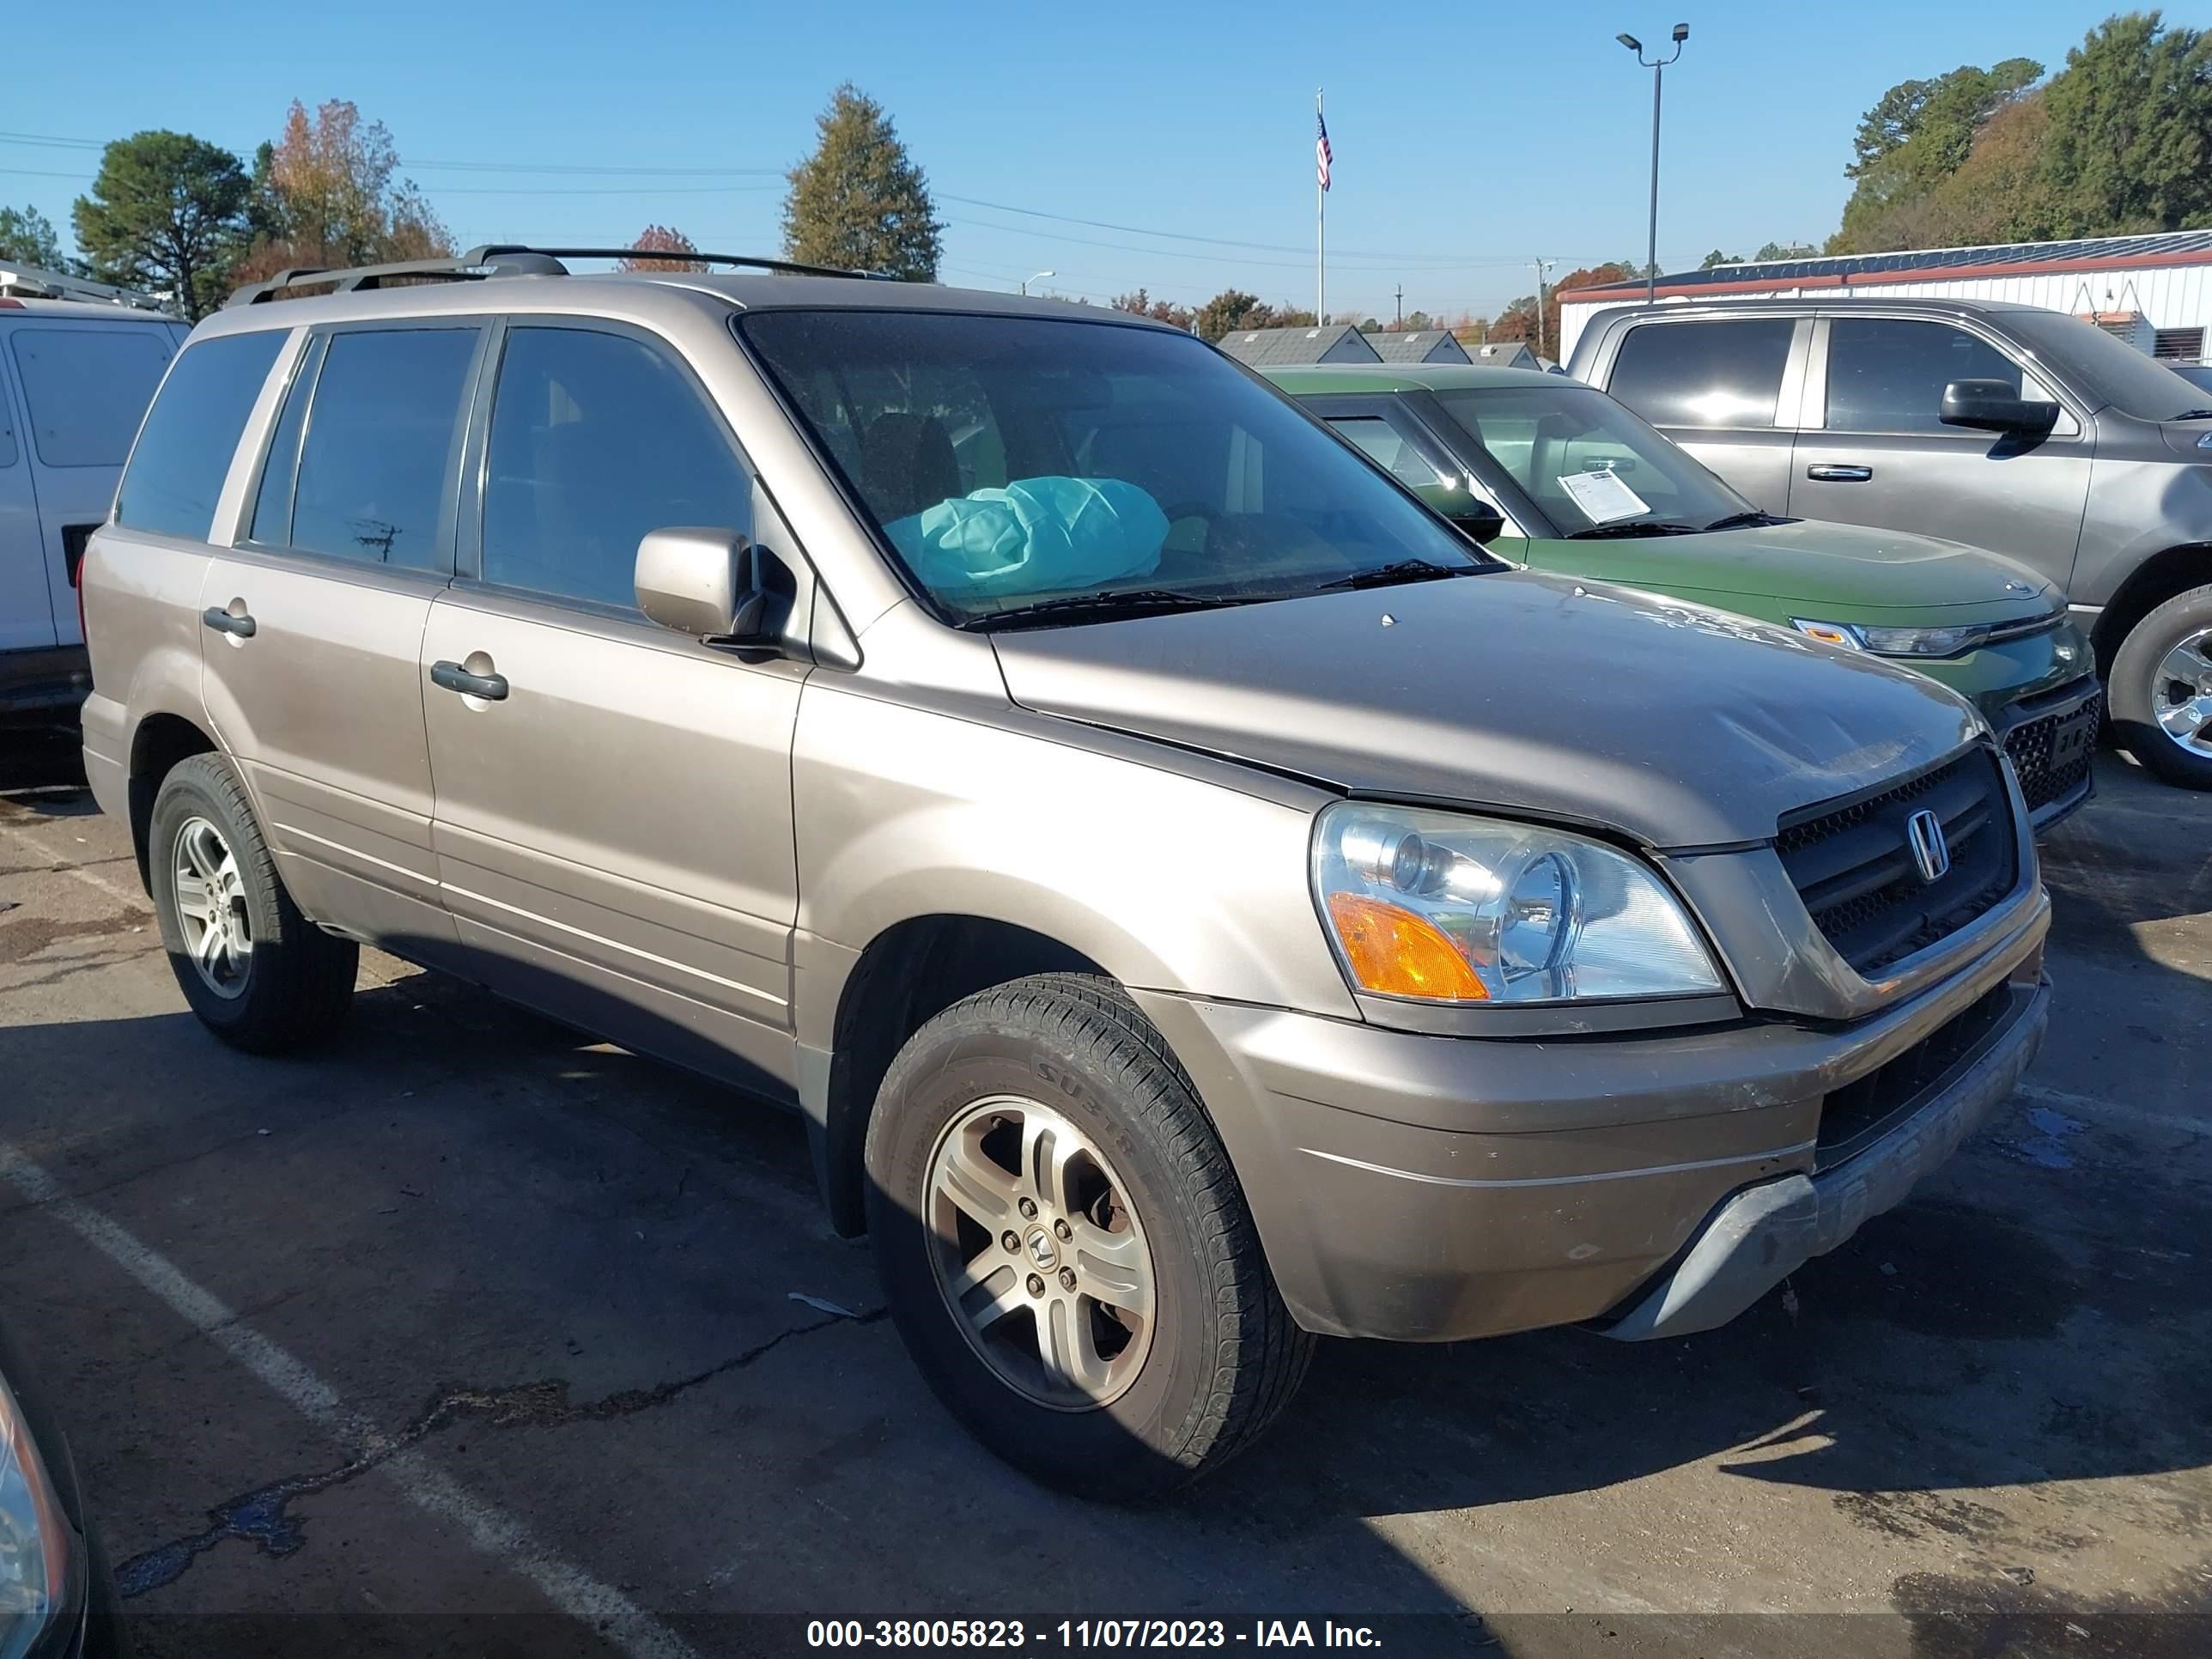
(34,1559)
(1447,908)
(1896,641)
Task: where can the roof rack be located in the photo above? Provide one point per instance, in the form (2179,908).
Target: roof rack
(29,283)
(511,259)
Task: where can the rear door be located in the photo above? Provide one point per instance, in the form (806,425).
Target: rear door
(27,614)
(613,822)
(313,621)
(1875,450)
(1727,389)
(84,386)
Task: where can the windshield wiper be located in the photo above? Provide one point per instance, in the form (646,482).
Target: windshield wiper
(1398,571)
(1755,518)
(2192,415)
(1106,607)
(1641,527)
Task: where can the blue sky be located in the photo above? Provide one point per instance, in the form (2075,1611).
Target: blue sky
(1470,138)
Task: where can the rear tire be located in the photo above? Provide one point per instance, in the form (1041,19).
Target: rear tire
(2150,714)
(259,973)
(1139,1340)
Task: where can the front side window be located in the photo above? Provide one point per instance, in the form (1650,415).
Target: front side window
(1591,466)
(1888,374)
(1011,462)
(597,439)
(1726,372)
(183,455)
(380,456)
(87,388)
(1387,447)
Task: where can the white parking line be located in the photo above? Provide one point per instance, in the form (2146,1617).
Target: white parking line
(115,890)
(429,1488)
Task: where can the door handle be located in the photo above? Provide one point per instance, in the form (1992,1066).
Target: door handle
(237,625)
(1825,474)
(454,677)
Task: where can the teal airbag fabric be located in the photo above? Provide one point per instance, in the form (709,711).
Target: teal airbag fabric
(1035,536)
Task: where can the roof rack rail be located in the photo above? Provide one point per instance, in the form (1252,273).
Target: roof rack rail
(29,283)
(507,259)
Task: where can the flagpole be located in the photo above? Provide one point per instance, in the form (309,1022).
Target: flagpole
(1321,226)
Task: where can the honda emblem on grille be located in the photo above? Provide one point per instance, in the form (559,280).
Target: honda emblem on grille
(1924,834)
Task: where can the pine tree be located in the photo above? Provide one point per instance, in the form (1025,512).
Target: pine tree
(858,201)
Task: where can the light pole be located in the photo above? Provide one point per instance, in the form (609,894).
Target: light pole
(1658,67)
(1036,276)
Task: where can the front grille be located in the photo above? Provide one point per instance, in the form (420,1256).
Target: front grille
(1852,864)
(2051,752)
(1859,1113)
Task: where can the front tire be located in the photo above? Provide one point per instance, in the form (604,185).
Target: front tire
(2161,694)
(1064,1245)
(258,973)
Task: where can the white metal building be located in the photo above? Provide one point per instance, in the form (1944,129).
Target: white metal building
(2154,291)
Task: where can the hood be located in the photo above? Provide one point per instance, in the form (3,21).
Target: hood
(1830,572)
(1680,726)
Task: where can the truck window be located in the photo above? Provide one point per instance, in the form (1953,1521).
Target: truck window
(1727,372)
(87,388)
(1888,374)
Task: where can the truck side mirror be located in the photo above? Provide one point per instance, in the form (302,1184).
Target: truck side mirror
(1995,406)
(704,582)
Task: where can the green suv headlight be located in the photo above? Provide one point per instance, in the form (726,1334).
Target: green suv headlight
(1443,907)
(1896,641)
(35,1555)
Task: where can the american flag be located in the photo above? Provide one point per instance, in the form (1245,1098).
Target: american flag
(1321,149)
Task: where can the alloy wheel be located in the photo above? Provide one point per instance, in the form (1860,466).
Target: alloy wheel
(209,896)
(1039,1254)
(2182,694)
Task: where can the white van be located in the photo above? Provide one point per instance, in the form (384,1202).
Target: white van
(78,365)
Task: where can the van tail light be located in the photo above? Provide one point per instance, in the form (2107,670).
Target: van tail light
(75,539)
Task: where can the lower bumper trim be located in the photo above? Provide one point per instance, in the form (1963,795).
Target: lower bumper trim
(1765,1233)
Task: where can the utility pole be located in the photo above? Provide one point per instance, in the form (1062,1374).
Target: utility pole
(1658,67)
(1401,297)
(1542,267)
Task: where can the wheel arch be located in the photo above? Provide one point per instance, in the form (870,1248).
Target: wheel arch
(907,975)
(158,743)
(2165,574)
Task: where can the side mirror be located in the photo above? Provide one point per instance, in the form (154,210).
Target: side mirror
(1995,406)
(703,582)
(1478,518)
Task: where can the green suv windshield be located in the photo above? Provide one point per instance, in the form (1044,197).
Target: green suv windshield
(1593,467)
(1029,468)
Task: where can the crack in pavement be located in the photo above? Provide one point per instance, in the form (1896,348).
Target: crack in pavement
(260,1517)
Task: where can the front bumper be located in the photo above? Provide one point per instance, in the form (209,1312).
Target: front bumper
(1434,1188)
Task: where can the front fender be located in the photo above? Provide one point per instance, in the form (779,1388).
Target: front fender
(1167,876)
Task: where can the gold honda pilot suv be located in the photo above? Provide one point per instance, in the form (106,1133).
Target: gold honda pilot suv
(1195,898)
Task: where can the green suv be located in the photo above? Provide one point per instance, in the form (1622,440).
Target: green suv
(1557,475)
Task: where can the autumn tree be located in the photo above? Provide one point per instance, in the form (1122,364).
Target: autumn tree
(658,242)
(1141,304)
(858,202)
(166,212)
(27,237)
(1232,309)
(326,194)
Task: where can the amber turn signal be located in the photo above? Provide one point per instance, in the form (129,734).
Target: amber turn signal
(1393,952)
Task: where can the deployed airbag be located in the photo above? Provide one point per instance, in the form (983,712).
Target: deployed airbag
(1035,536)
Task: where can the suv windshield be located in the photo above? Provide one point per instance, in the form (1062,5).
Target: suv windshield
(2110,369)
(1071,470)
(1590,465)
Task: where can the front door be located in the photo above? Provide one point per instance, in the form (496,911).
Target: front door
(1875,450)
(312,626)
(613,818)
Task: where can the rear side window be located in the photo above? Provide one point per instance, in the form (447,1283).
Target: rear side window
(1888,374)
(88,389)
(177,466)
(381,454)
(596,439)
(1726,372)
